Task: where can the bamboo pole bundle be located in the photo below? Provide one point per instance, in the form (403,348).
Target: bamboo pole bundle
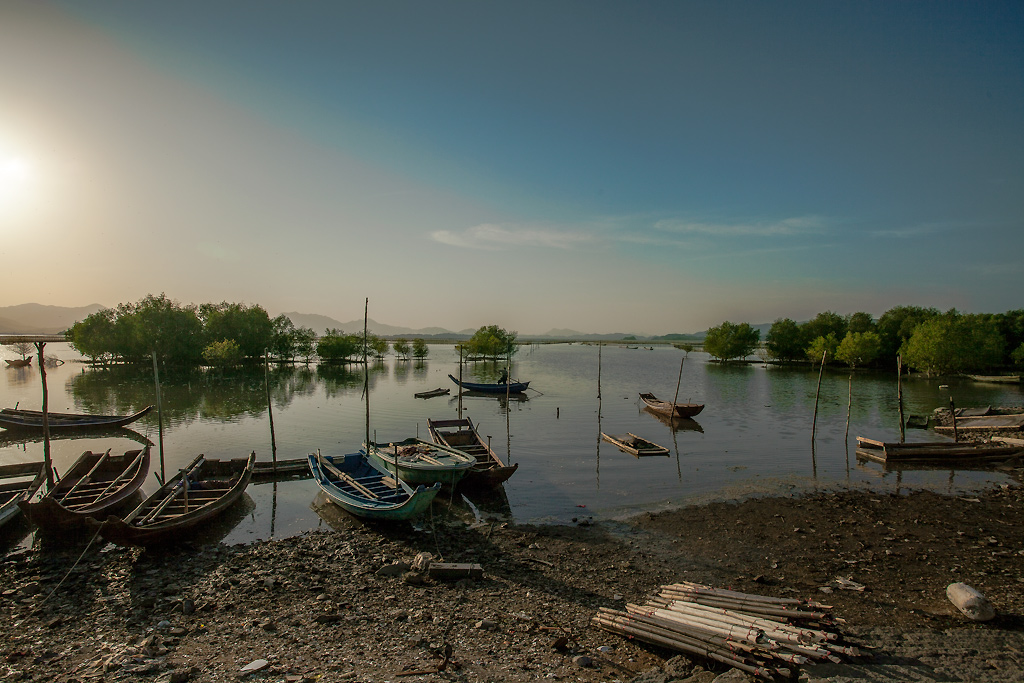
(639,627)
(750,632)
(769,625)
(775,636)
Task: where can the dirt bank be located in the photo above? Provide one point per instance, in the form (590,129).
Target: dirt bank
(329,606)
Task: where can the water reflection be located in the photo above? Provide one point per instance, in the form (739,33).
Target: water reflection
(675,423)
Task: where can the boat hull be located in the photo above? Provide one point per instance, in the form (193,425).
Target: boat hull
(671,409)
(225,480)
(111,481)
(489,469)
(415,461)
(14,487)
(634,445)
(372,495)
(32,420)
(510,388)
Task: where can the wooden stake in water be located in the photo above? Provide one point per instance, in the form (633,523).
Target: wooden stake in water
(270,409)
(899,397)
(678,382)
(47,462)
(849,405)
(814,422)
(952,414)
(159,417)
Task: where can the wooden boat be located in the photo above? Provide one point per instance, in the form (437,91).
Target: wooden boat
(991,379)
(267,470)
(18,482)
(669,408)
(416,461)
(95,485)
(354,483)
(947,451)
(32,420)
(462,435)
(433,392)
(203,490)
(19,362)
(495,388)
(633,444)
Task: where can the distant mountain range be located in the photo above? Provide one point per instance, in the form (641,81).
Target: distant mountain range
(40,319)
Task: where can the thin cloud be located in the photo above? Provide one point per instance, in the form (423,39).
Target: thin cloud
(799,225)
(913,231)
(493,237)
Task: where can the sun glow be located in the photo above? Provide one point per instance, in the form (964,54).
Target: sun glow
(16,181)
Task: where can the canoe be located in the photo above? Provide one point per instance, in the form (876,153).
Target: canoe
(946,451)
(18,482)
(462,435)
(95,485)
(353,483)
(671,409)
(495,388)
(19,362)
(416,461)
(202,491)
(32,420)
(633,444)
(433,392)
(991,379)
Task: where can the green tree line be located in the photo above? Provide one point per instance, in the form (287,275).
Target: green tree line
(214,334)
(926,339)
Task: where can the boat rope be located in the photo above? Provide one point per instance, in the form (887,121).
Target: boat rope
(66,575)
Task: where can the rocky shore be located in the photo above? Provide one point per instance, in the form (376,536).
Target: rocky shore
(348,604)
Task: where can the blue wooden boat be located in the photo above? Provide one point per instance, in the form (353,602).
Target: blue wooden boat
(356,485)
(416,461)
(496,388)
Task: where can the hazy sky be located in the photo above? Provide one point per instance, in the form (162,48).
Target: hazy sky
(646,167)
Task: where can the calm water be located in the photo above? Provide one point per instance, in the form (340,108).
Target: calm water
(754,436)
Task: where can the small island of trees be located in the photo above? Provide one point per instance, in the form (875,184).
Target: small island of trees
(215,334)
(925,339)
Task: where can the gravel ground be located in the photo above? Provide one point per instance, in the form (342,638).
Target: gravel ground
(346,604)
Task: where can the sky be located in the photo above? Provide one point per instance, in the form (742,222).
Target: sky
(642,167)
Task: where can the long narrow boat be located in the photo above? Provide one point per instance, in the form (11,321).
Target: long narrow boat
(95,485)
(991,379)
(17,482)
(489,470)
(440,391)
(32,420)
(495,388)
(416,461)
(203,490)
(354,484)
(945,451)
(19,362)
(669,408)
(634,445)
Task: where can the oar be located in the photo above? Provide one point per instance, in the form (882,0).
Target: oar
(678,382)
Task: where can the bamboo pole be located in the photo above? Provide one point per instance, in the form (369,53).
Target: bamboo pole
(678,382)
(849,407)
(899,397)
(159,417)
(47,462)
(270,409)
(821,370)
(460,380)
(952,414)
